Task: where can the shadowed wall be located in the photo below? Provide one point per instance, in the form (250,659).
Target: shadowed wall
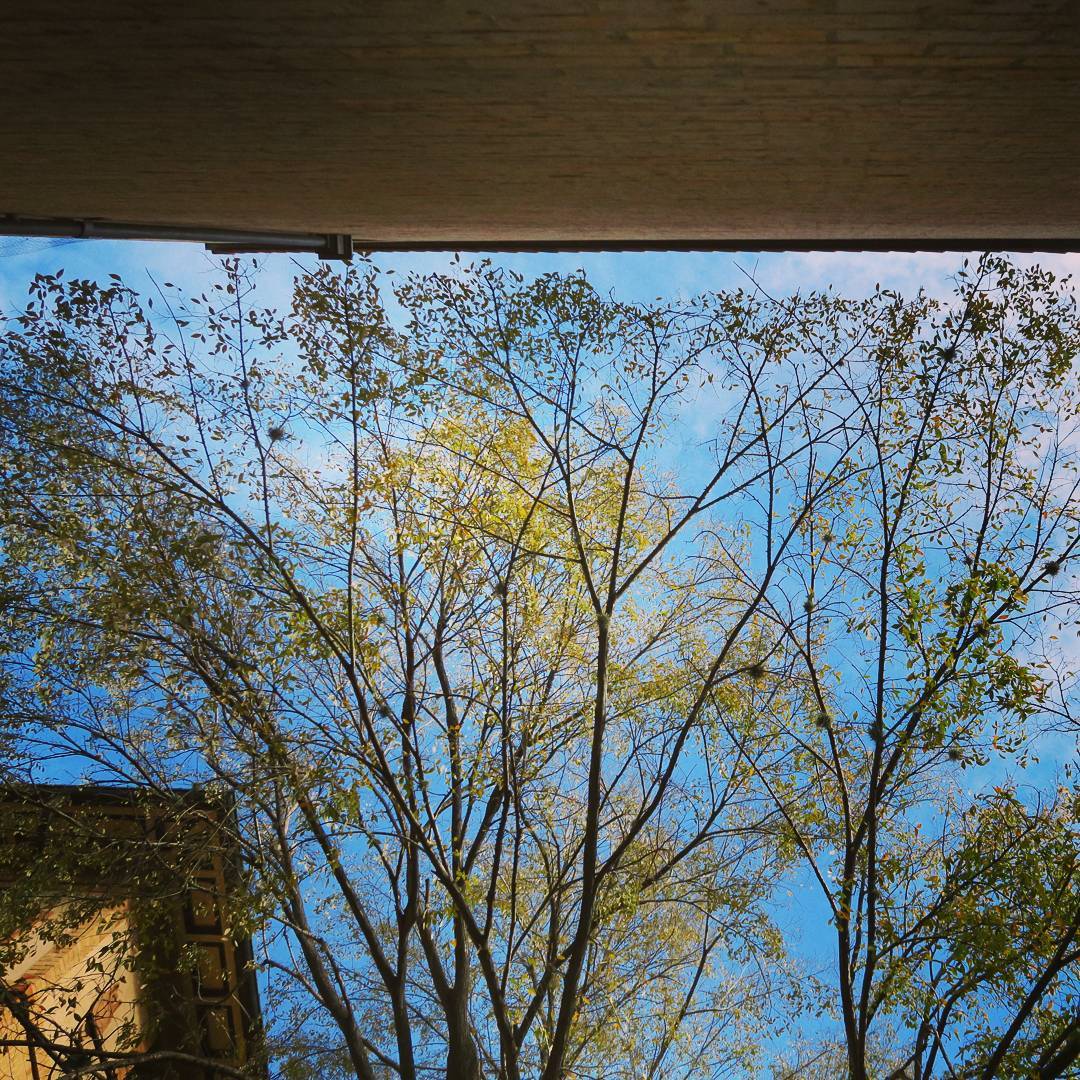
(543,119)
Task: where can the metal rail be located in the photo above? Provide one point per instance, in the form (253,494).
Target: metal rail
(341,246)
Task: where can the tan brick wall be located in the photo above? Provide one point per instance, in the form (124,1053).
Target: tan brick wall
(64,985)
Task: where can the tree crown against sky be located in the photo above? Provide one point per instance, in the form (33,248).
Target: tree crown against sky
(545,642)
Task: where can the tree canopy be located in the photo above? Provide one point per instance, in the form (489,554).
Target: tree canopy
(544,643)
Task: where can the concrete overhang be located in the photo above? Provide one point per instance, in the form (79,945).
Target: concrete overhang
(551,123)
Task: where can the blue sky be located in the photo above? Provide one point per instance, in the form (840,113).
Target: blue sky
(634,276)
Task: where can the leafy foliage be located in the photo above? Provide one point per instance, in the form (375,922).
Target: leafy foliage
(539,638)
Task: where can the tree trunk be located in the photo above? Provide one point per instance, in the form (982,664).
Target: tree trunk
(462,1060)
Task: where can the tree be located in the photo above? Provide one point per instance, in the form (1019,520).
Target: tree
(527,696)
(936,589)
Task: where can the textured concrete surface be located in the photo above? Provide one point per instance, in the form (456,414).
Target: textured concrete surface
(547,119)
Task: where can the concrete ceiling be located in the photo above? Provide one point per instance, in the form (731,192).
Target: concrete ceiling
(550,120)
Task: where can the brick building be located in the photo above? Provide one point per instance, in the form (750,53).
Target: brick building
(115,936)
